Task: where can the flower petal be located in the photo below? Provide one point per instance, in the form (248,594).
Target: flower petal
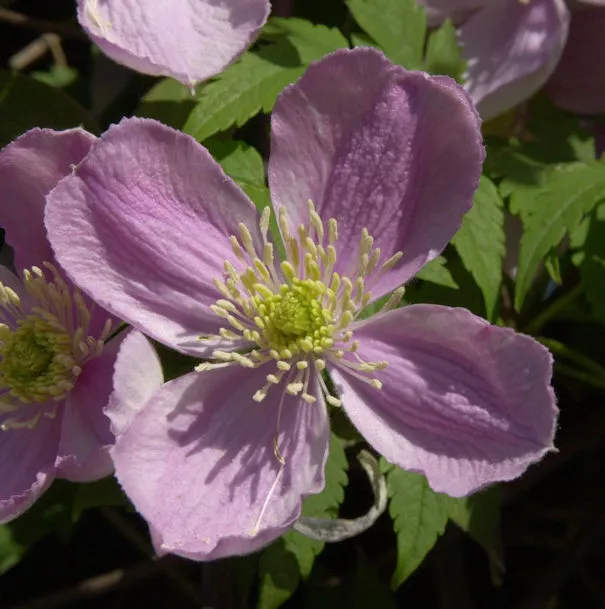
(463,402)
(438,11)
(189,40)
(199,462)
(83,453)
(137,376)
(30,167)
(27,457)
(578,83)
(143,227)
(512,48)
(369,154)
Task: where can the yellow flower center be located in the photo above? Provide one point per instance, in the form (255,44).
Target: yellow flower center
(298,316)
(42,349)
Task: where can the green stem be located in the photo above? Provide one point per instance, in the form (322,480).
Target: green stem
(540,320)
(580,375)
(561,350)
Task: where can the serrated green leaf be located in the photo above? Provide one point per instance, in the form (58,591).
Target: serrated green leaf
(398,26)
(169,102)
(249,86)
(571,192)
(592,265)
(435,271)
(419,518)
(311,41)
(26,103)
(443,54)
(290,559)
(252,84)
(480,243)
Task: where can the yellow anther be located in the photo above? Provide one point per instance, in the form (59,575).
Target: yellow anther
(235,246)
(333,401)
(303,365)
(309,398)
(283,366)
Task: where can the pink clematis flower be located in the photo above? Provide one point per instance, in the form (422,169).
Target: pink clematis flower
(189,40)
(371,170)
(55,371)
(514,46)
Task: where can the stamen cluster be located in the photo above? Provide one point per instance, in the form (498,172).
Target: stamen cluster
(43,347)
(298,314)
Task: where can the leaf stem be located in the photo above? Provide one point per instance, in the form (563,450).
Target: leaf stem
(561,350)
(540,320)
(580,375)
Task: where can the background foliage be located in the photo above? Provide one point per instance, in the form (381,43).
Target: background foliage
(530,255)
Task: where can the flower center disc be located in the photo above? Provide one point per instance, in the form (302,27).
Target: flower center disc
(36,363)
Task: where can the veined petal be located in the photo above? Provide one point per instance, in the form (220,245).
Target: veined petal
(512,48)
(578,83)
(369,154)
(189,40)
(83,453)
(137,376)
(30,167)
(143,227)
(463,402)
(26,463)
(199,462)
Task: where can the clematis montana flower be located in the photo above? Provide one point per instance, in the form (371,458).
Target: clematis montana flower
(371,171)
(55,370)
(189,40)
(513,46)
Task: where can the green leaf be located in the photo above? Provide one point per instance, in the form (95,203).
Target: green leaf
(366,590)
(311,41)
(479,516)
(419,518)
(169,102)
(102,493)
(398,26)
(435,271)
(443,54)
(592,262)
(480,243)
(252,84)
(571,192)
(290,559)
(11,551)
(26,103)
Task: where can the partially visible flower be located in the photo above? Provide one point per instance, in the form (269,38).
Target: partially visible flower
(371,171)
(513,47)
(55,370)
(189,40)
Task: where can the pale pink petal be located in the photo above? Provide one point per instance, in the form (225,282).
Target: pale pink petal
(26,462)
(377,147)
(511,49)
(83,453)
(189,40)
(143,227)
(578,83)
(199,462)
(137,376)
(463,402)
(30,167)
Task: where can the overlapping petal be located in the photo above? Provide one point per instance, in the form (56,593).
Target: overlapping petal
(463,402)
(83,452)
(27,463)
(512,48)
(189,40)
(438,11)
(143,227)
(396,152)
(200,464)
(137,376)
(578,83)
(30,167)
